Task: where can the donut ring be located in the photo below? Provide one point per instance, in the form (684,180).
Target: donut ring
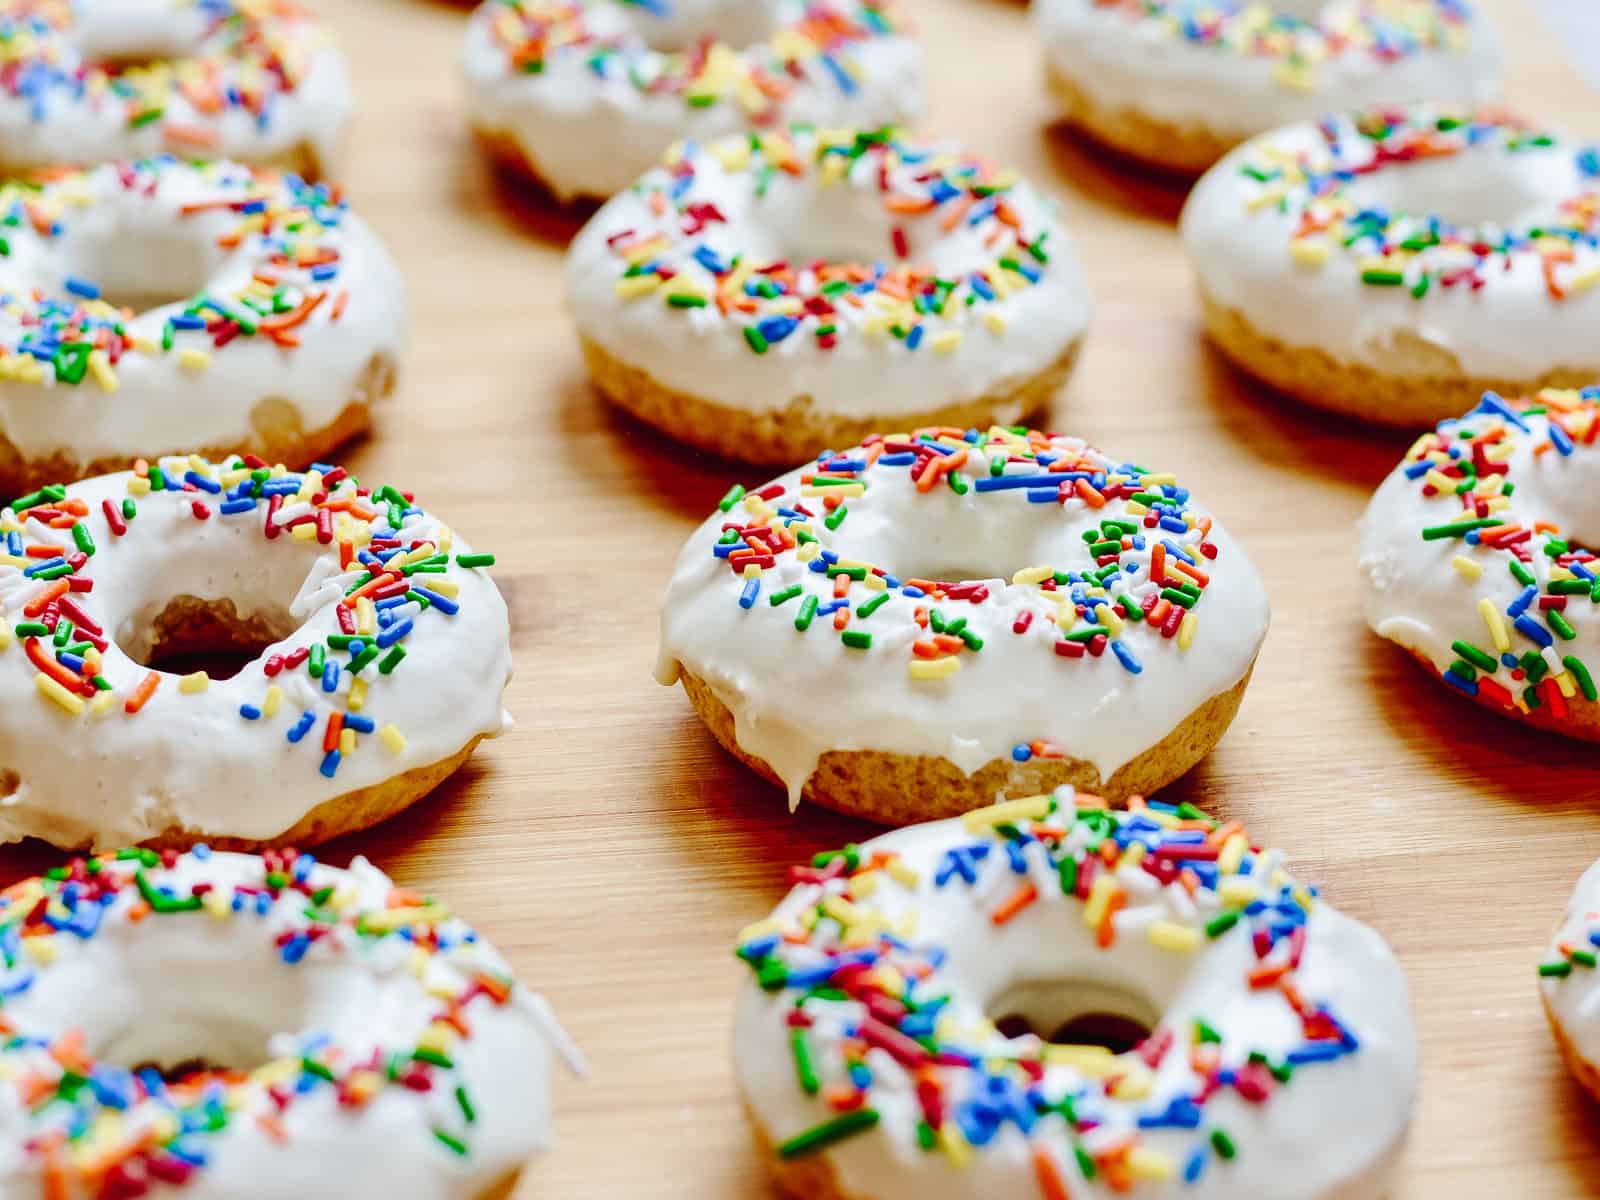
(92,81)
(370,615)
(289,327)
(1178,84)
(1471,558)
(1277,1057)
(761,302)
(1567,982)
(813,629)
(1324,269)
(586,95)
(396,1051)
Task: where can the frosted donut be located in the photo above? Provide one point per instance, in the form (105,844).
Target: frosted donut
(1471,558)
(586,95)
(162,307)
(762,301)
(396,1054)
(382,652)
(1568,983)
(1395,265)
(1271,1054)
(1179,83)
(91,81)
(913,627)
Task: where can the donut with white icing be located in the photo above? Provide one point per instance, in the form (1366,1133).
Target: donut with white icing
(764,296)
(1397,263)
(586,95)
(1178,83)
(1274,1056)
(1568,982)
(1473,558)
(226,1025)
(381,650)
(162,307)
(913,627)
(92,81)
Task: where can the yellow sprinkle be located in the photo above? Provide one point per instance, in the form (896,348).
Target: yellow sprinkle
(1441,481)
(902,874)
(304,533)
(366,615)
(100,368)
(634,286)
(995,322)
(842,911)
(1132,856)
(347,741)
(1186,629)
(1096,1062)
(846,490)
(1031,575)
(946,342)
(445,587)
(138,485)
(218,903)
(357,700)
(1232,854)
(191,359)
(954,1145)
(102,704)
(934,668)
(1466,566)
(393,740)
(1497,627)
(1583,281)
(403,918)
(808,551)
(1310,251)
(1094,909)
(1135,1085)
(864,883)
(1169,935)
(1028,808)
(199,681)
(6,638)
(1145,1163)
(761,929)
(54,691)
(874,583)
(1564,682)
(752,571)
(274,697)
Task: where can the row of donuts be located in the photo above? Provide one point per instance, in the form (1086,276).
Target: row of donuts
(873,630)
(179,1018)
(923,1063)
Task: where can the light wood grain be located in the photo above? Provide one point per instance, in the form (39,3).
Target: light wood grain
(612,850)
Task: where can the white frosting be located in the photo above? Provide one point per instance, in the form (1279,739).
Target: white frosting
(1240,234)
(1245,84)
(1574,999)
(194,762)
(199,43)
(1428,594)
(125,230)
(1330,1130)
(591,130)
(1010,331)
(796,696)
(205,984)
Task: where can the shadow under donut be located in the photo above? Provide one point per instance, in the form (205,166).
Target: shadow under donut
(1112,179)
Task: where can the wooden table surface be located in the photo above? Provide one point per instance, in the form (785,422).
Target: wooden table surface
(612,850)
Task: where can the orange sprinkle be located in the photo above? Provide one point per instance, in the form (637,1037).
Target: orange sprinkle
(1019,900)
(142,693)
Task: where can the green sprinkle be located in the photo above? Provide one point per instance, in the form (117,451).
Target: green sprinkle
(857,639)
(474,560)
(1221,923)
(1557,622)
(1455,529)
(757,342)
(836,518)
(1581,673)
(1555,970)
(1520,573)
(808,609)
(819,1137)
(1478,658)
(80,535)
(871,606)
(456,1145)
(1223,1144)
(803,1069)
(735,494)
(465,1103)
(391,660)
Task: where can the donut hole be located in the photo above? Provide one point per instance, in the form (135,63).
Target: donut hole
(1479,187)
(136,263)
(1075,1012)
(123,47)
(187,634)
(184,1041)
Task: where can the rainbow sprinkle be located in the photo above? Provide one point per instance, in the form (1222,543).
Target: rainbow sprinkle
(1386,30)
(858,985)
(926,191)
(396,566)
(121,1133)
(252,54)
(818,49)
(1518,663)
(1416,251)
(293,231)
(1582,955)
(1145,560)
